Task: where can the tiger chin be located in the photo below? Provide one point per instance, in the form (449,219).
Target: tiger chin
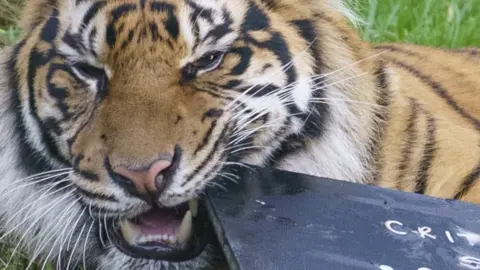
(116,115)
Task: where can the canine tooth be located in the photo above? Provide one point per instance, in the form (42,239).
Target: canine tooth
(172,239)
(193,205)
(129,232)
(164,237)
(185,230)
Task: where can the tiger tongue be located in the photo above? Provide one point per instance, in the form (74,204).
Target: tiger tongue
(159,221)
(161,226)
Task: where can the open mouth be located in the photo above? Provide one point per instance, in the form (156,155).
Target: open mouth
(171,234)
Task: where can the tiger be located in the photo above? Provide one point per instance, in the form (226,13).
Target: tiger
(117,115)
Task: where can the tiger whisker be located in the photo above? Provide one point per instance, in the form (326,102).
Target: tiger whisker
(315,77)
(74,227)
(249,132)
(248,148)
(215,184)
(75,245)
(45,241)
(100,231)
(31,183)
(249,120)
(326,75)
(59,238)
(64,239)
(230,163)
(105,223)
(281,69)
(35,179)
(90,209)
(33,223)
(50,205)
(231,174)
(228,177)
(32,203)
(233,147)
(85,245)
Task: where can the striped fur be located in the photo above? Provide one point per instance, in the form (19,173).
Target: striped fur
(97,84)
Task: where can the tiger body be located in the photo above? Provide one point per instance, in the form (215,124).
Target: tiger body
(99,95)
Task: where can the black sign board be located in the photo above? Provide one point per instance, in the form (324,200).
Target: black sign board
(275,220)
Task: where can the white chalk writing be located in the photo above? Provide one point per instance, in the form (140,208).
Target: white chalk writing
(469,262)
(454,236)
(397,227)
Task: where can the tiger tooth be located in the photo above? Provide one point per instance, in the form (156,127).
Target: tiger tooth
(193,205)
(130,233)
(185,230)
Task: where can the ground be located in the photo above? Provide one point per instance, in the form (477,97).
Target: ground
(442,23)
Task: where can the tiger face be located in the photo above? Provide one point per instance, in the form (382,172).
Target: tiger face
(148,101)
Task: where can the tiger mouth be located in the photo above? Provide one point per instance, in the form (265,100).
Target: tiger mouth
(169,234)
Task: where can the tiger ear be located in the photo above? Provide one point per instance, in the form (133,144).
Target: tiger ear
(35,11)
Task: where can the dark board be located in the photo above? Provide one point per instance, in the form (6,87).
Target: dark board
(275,220)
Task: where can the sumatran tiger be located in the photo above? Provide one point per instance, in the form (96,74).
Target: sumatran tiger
(115,116)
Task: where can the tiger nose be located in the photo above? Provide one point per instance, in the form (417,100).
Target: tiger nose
(154,178)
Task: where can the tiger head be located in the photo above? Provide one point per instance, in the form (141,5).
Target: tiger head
(148,101)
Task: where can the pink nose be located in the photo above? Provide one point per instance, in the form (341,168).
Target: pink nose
(148,180)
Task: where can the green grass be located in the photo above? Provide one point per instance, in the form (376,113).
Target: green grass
(442,23)
(9,12)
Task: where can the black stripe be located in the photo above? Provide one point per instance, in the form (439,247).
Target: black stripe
(91,41)
(171,23)
(212,113)
(382,83)
(37,60)
(96,196)
(381,117)
(428,154)
(468,182)
(212,93)
(32,161)
(245,53)
(289,145)
(142,4)
(220,30)
(74,41)
(439,90)
(200,12)
(255,19)
(411,136)
(258,90)
(208,158)
(205,138)
(60,94)
(314,121)
(314,125)
(85,174)
(90,14)
(50,29)
(115,16)
(154,32)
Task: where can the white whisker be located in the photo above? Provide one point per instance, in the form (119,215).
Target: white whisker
(75,245)
(30,184)
(85,245)
(45,241)
(40,209)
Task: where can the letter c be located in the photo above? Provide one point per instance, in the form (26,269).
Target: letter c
(389,224)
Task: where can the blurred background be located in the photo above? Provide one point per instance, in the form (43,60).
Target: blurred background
(441,23)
